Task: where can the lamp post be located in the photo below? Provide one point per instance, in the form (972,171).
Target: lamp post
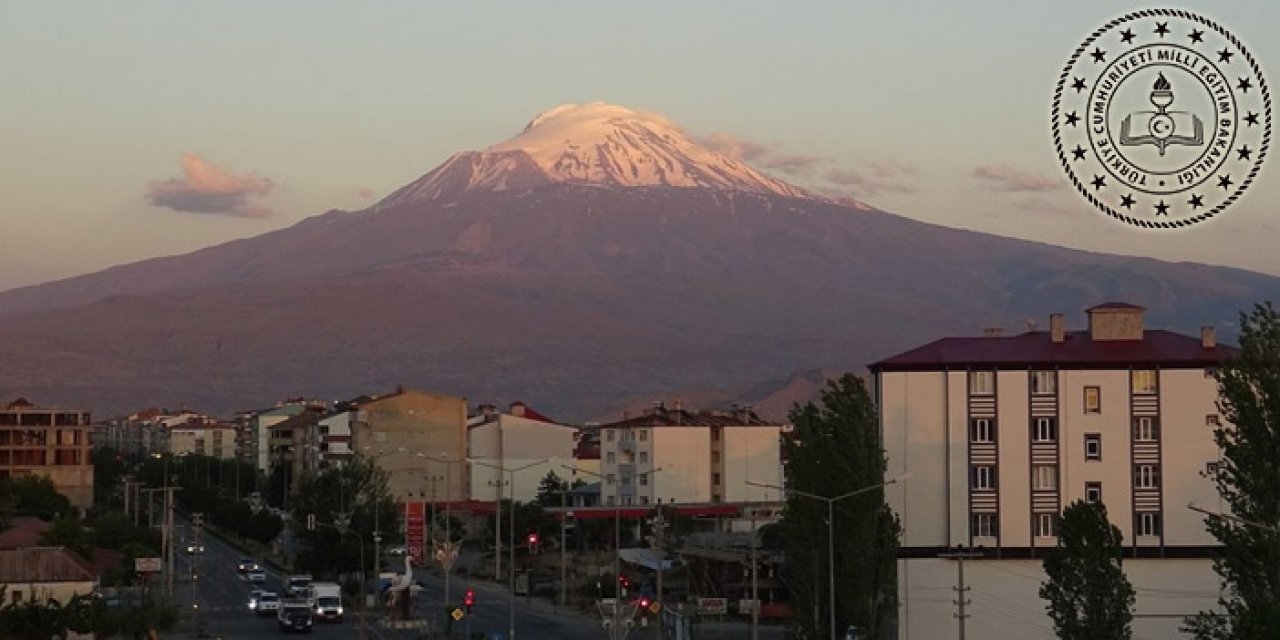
(447,563)
(617,631)
(831,545)
(377,519)
(511,474)
(342,524)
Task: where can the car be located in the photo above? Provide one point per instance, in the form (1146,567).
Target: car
(253,598)
(294,615)
(256,576)
(193,548)
(268,603)
(298,585)
(396,551)
(247,564)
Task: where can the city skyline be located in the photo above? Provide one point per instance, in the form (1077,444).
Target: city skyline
(155,129)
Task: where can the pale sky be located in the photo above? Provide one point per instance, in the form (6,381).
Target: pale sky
(277,111)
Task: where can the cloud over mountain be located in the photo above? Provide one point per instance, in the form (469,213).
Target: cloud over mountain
(1003,178)
(208,188)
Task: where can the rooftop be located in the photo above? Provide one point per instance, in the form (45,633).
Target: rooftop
(43,564)
(661,416)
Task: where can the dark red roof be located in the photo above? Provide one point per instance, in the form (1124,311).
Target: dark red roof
(1035,349)
(662,416)
(1116,305)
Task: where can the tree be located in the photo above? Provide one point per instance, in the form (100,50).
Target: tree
(67,532)
(35,496)
(1089,597)
(1248,479)
(834,449)
(550,490)
(357,488)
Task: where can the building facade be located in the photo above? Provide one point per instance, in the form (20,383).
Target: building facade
(676,456)
(1000,433)
(214,439)
(519,438)
(53,443)
(414,436)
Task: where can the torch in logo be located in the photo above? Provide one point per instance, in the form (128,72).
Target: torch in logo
(1162,124)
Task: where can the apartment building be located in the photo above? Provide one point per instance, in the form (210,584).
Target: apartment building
(704,457)
(519,438)
(413,436)
(49,442)
(213,439)
(999,433)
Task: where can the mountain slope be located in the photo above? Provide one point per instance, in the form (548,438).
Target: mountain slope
(499,278)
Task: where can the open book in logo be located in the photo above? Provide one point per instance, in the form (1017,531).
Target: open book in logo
(1163,126)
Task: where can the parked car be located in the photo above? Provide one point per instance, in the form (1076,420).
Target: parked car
(268,603)
(294,615)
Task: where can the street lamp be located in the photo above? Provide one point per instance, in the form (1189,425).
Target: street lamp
(831,534)
(511,473)
(377,519)
(447,562)
(342,524)
(617,630)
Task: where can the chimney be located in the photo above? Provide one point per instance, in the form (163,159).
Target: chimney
(993,332)
(1208,337)
(1057,332)
(517,409)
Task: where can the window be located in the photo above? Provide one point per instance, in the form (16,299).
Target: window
(715,434)
(1046,430)
(715,456)
(982,430)
(715,478)
(1149,524)
(984,525)
(626,501)
(1093,492)
(1044,382)
(644,435)
(1145,429)
(609,501)
(610,479)
(608,435)
(1212,420)
(610,458)
(1044,477)
(715,497)
(1093,446)
(1093,400)
(1147,476)
(1144,380)
(982,383)
(1211,469)
(983,478)
(1046,525)
(644,480)
(644,499)
(627,436)
(644,457)
(626,481)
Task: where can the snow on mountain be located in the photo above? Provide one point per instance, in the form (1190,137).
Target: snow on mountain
(595,143)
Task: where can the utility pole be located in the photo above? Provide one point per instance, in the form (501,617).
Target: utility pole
(962,600)
(197,524)
(659,545)
(128,480)
(167,536)
(755,582)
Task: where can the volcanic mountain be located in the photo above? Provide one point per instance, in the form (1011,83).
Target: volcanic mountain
(597,257)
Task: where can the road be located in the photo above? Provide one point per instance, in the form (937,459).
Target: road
(224,612)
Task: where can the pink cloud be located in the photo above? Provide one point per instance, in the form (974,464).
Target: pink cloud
(1003,178)
(207,188)
(366,193)
(759,155)
(874,178)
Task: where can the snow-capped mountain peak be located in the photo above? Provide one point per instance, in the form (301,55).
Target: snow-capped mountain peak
(594,143)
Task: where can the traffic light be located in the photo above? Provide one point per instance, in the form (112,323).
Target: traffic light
(469,599)
(624,583)
(532,539)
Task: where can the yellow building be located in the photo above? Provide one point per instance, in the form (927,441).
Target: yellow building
(411,434)
(53,443)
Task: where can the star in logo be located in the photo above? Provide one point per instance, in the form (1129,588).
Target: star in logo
(1196,36)
(1077,153)
(1126,36)
(1072,118)
(1078,84)
(1098,54)
(1196,201)
(1162,28)
(1252,118)
(1099,182)
(1224,181)
(1162,209)
(1244,85)
(1244,152)
(1126,201)
(1224,56)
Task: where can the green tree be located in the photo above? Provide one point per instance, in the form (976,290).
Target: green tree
(35,496)
(66,531)
(835,449)
(1089,597)
(550,489)
(1248,479)
(357,488)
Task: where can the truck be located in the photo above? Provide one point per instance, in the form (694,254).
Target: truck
(325,599)
(297,585)
(294,615)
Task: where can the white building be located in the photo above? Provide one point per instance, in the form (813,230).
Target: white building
(1000,433)
(705,457)
(514,439)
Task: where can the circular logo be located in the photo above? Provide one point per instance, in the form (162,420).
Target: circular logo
(1162,118)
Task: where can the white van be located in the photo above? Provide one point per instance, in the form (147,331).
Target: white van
(325,599)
